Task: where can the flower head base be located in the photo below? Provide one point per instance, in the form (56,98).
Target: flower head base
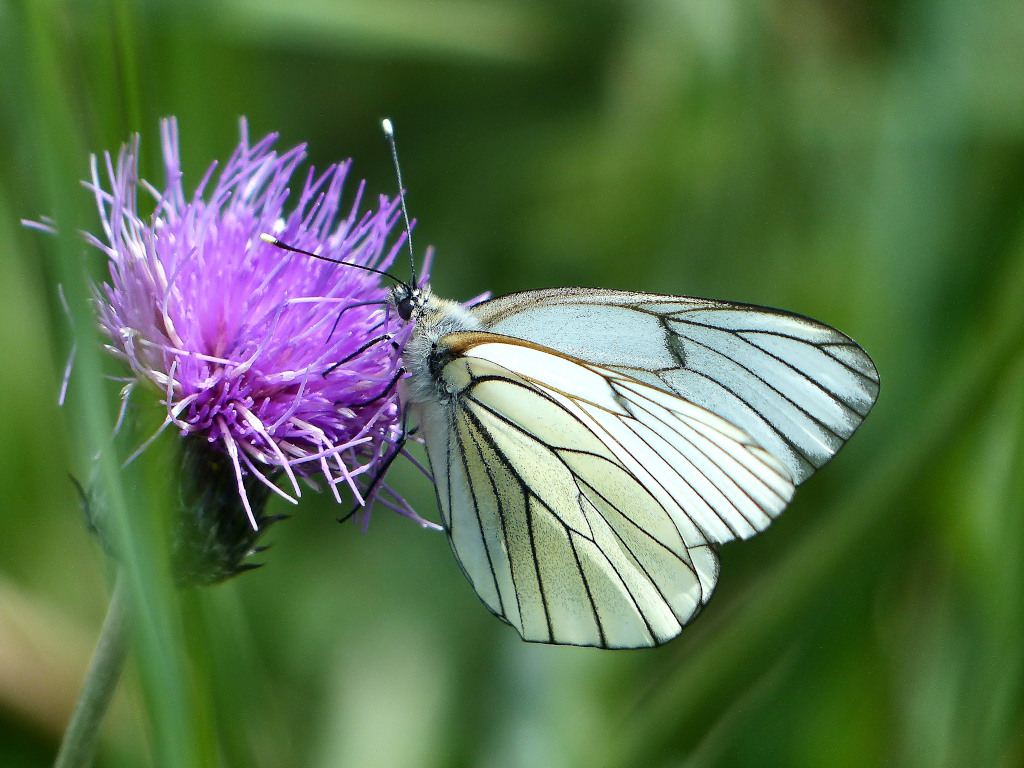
(283,362)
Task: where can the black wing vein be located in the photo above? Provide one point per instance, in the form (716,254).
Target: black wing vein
(772,387)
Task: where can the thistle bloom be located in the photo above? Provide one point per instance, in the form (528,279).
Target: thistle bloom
(282,363)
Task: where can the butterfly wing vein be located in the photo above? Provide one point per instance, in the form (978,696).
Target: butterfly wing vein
(588,525)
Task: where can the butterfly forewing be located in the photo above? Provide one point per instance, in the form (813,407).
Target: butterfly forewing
(798,387)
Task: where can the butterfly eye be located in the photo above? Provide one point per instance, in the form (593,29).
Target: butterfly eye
(406,305)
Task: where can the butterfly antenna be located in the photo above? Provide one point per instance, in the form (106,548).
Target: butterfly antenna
(389,134)
(268,238)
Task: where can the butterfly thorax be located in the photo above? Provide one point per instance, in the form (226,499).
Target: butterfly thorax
(424,356)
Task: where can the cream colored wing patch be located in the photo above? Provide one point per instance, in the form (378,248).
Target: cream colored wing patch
(584,505)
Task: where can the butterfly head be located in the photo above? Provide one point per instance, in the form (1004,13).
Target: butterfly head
(408,300)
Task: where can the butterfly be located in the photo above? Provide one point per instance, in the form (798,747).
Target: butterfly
(591,449)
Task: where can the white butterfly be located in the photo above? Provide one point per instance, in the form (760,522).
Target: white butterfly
(591,448)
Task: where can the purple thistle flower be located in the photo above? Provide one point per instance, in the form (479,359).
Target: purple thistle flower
(284,363)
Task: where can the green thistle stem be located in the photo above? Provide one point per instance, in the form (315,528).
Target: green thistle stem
(82,734)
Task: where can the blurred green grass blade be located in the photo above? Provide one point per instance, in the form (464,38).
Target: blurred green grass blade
(715,740)
(448,28)
(135,515)
(966,685)
(998,698)
(126,35)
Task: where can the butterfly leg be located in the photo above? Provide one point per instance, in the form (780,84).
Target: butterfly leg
(358,352)
(385,393)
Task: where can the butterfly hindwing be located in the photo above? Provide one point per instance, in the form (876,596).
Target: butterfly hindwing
(583,504)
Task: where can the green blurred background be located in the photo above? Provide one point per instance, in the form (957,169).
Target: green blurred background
(859,162)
